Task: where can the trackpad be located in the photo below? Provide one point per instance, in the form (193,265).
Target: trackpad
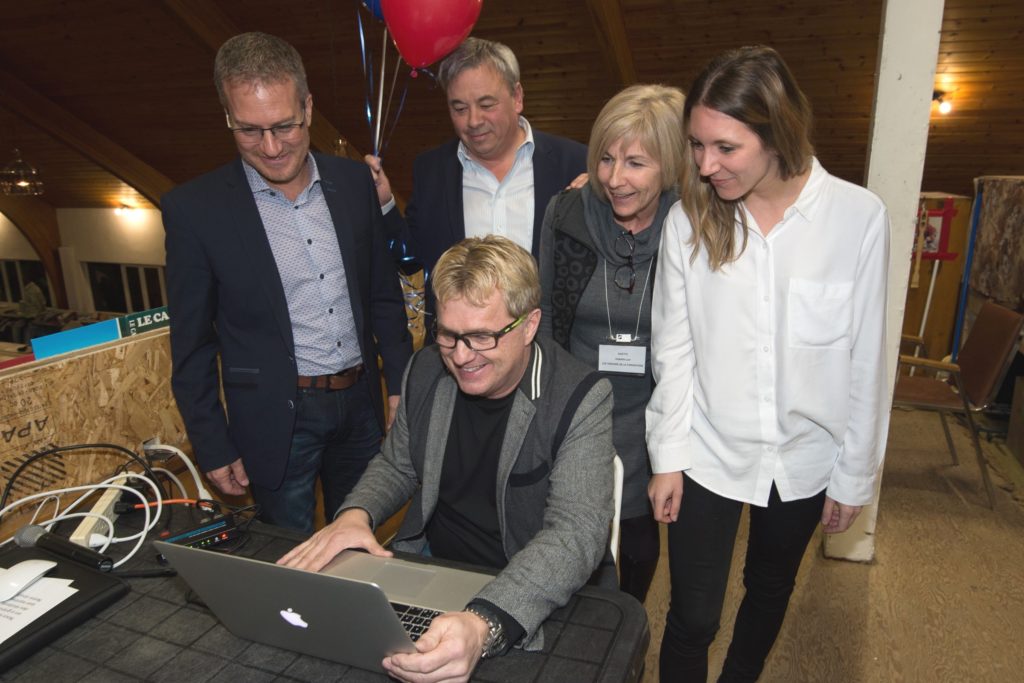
(437,587)
(401,578)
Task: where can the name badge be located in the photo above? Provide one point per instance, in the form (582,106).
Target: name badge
(622,359)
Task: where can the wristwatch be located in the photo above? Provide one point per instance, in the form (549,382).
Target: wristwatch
(495,641)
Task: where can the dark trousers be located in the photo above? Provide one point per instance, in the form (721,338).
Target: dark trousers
(700,553)
(336,435)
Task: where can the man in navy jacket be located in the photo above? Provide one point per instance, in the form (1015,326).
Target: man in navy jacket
(280,287)
(496,177)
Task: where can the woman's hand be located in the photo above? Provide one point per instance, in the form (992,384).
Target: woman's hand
(666,493)
(837,517)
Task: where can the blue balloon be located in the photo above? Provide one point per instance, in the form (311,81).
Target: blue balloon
(374,7)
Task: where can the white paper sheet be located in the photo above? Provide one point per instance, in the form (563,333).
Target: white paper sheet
(32,603)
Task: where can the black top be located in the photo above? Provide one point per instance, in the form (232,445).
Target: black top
(464,526)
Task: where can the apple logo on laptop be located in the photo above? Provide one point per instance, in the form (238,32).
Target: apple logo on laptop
(294,618)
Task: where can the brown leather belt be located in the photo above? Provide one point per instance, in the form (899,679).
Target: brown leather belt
(335,382)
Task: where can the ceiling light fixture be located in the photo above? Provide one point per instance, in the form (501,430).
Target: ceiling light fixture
(20,178)
(945,106)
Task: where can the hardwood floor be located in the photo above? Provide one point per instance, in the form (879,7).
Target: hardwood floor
(942,601)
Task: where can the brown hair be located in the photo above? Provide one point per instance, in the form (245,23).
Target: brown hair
(258,58)
(754,86)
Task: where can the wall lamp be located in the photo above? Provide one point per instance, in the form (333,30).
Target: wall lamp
(945,106)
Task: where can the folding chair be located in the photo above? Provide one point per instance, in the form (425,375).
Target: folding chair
(973,380)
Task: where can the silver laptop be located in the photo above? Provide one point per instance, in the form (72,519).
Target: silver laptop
(357,610)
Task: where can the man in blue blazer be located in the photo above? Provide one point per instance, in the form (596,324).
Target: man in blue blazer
(281,289)
(496,177)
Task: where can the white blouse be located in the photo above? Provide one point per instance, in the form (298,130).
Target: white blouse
(772,369)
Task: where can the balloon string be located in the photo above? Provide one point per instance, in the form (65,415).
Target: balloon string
(387,111)
(398,112)
(391,92)
(367,73)
(362,40)
(380,93)
(430,73)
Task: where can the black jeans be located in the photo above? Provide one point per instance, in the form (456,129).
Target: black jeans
(700,547)
(336,434)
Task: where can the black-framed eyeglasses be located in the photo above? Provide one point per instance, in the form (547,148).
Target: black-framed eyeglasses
(474,341)
(282,131)
(625,275)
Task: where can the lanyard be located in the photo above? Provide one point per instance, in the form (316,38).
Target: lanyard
(636,334)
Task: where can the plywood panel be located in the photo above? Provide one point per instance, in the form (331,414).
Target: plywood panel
(118,393)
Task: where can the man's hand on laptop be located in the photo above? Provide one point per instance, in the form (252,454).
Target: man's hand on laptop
(448,651)
(350,530)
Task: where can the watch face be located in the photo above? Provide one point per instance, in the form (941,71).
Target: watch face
(495,641)
(497,644)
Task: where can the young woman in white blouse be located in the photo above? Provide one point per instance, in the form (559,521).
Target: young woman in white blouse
(768,330)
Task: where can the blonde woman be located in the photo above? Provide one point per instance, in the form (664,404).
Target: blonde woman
(598,250)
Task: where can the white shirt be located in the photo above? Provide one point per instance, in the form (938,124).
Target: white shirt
(772,369)
(502,208)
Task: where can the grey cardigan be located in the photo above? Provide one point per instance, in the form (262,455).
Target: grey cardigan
(554,487)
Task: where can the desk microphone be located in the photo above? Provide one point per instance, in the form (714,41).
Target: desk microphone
(35,536)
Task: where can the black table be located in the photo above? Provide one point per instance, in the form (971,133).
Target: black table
(156,634)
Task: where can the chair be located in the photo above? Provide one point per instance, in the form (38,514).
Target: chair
(618,471)
(973,380)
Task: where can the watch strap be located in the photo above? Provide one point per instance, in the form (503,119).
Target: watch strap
(495,642)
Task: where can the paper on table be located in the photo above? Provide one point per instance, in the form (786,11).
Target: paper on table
(32,603)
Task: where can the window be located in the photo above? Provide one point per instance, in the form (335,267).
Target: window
(14,275)
(119,288)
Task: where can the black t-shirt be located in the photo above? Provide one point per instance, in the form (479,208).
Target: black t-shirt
(464,526)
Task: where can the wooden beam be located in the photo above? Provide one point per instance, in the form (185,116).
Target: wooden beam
(45,114)
(37,220)
(612,40)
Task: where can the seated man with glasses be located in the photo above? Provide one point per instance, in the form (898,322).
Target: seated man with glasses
(503,442)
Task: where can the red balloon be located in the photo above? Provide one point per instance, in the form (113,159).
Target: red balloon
(426,30)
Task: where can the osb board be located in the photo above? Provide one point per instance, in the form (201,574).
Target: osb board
(118,393)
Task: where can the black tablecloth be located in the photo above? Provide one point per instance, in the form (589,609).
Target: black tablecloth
(155,633)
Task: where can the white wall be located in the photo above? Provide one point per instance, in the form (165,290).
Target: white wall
(104,236)
(13,244)
(93,235)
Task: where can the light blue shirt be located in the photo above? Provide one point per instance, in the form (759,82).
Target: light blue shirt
(502,208)
(305,246)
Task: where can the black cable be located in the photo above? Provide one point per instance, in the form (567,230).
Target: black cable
(61,449)
(144,573)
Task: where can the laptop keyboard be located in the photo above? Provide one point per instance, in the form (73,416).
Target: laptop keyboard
(416,620)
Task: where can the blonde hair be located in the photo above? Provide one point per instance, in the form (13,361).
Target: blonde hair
(650,115)
(754,86)
(475,267)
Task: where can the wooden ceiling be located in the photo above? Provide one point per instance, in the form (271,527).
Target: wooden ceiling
(113,101)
